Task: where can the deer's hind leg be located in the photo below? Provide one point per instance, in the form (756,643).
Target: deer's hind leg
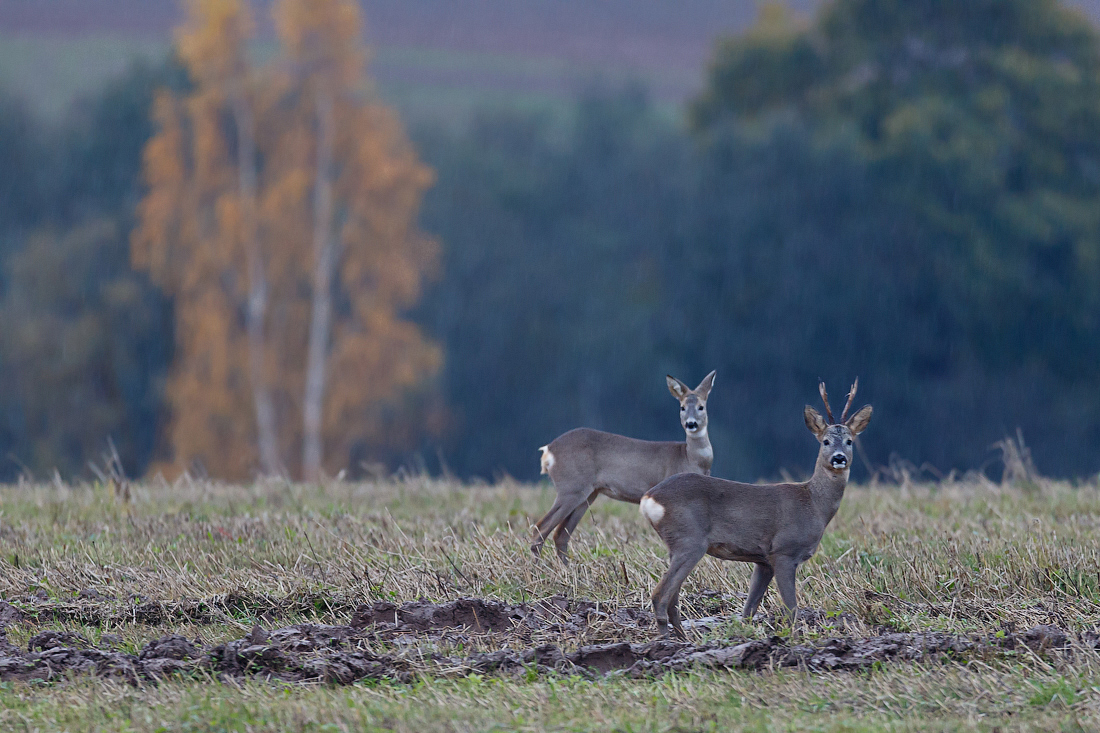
(682,560)
(568,500)
(674,617)
(565,529)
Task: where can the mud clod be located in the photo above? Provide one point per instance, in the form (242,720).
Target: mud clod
(258,635)
(548,655)
(604,658)
(7,649)
(110,641)
(54,639)
(91,594)
(9,614)
(170,647)
(474,614)
(1044,637)
(379,612)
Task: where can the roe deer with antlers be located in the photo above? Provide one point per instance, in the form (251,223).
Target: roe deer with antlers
(585,463)
(775,526)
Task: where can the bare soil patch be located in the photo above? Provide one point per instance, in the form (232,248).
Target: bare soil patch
(400,642)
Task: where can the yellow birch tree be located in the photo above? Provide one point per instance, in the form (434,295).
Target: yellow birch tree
(365,186)
(214,46)
(281,215)
(181,240)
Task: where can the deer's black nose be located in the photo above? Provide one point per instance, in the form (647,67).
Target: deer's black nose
(839,460)
(691,425)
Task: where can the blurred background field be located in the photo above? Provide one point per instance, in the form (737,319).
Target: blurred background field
(595,196)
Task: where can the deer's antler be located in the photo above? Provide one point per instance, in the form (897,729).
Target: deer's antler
(825,399)
(851,396)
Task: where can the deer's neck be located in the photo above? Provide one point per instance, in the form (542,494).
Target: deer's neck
(827,489)
(699,451)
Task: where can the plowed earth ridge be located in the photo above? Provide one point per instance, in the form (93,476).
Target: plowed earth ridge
(385,641)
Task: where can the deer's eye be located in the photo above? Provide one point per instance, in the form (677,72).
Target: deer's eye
(848,441)
(827,442)
(683,408)
(702,407)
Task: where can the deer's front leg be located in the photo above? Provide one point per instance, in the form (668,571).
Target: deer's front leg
(761,575)
(785,569)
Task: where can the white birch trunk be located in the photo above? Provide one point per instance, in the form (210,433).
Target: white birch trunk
(257,288)
(324,252)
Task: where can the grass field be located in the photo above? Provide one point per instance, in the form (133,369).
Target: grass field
(972,559)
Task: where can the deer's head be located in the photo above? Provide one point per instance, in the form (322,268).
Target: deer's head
(836,438)
(693,404)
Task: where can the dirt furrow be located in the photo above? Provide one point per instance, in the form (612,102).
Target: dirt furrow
(387,641)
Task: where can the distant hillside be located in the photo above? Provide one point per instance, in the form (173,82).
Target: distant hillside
(428,53)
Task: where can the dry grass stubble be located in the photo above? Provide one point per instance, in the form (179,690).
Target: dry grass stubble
(216,559)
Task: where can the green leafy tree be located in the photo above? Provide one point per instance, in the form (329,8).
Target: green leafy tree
(24,159)
(901,190)
(908,189)
(86,343)
(98,170)
(983,118)
(81,333)
(552,276)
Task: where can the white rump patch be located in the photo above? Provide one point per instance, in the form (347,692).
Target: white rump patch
(651,510)
(547,459)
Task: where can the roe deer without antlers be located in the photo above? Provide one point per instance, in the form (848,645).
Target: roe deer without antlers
(776,526)
(585,463)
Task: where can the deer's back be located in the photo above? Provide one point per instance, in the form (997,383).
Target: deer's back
(624,467)
(739,521)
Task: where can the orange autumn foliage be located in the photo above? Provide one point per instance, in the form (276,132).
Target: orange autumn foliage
(190,240)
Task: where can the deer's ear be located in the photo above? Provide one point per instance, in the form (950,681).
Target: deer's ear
(705,386)
(678,389)
(814,421)
(857,423)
